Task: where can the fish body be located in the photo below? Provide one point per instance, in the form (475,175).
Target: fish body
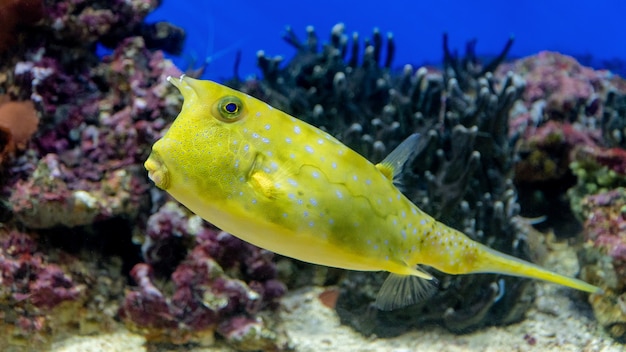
(286,186)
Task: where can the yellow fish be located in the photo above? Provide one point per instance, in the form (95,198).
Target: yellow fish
(286,186)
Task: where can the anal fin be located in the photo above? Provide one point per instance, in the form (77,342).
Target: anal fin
(402,290)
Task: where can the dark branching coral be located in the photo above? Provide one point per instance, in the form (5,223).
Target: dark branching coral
(460,172)
(468,68)
(614,119)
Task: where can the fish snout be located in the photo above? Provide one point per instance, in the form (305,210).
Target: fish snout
(157,171)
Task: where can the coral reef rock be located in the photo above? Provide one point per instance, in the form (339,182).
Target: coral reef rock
(572,167)
(75,129)
(221,286)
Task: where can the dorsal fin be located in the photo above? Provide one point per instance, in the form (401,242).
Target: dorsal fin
(392,165)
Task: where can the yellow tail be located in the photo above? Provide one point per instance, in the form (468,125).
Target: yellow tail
(491,261)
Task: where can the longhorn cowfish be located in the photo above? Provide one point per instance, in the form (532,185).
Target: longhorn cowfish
(291,188)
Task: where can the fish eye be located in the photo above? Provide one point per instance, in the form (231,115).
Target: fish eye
(229,109)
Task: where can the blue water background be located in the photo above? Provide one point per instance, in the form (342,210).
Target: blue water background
(593,31)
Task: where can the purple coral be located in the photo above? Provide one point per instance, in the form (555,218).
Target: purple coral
(99,141)
(204,297)
(146,306)
(97,119)
(167,232)
(51,287)
(27,277)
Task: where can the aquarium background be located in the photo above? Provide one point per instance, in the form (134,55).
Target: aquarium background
(526,155)
(592,31)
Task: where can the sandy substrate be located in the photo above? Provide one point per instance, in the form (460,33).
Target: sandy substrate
(555,327)
(555,324)
(558,321)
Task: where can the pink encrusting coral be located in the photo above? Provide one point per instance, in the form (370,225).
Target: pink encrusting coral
(571,127)
(32,290)
(28,276)
(603,259)
(605,225)
(568,88)
(97,139)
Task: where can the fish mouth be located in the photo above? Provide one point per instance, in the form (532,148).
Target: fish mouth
(157,171)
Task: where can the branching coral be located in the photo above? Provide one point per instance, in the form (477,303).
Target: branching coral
(614,118)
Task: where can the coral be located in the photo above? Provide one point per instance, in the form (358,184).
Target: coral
(93,148)
(167,236)
(603,260)
(45,292)
(78,128)
(18,122)
(599,201)
(572,171)
(79,185)
(597,171)
(468,68)
(613,121)
(29,278)
(605,224)
(546,152)
(164,36)
(88,22)
(221,286)
(77,188)
(460,173)
(568,91)
(47,200)
(565,106)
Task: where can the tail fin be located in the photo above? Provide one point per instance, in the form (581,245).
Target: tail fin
(491,261)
